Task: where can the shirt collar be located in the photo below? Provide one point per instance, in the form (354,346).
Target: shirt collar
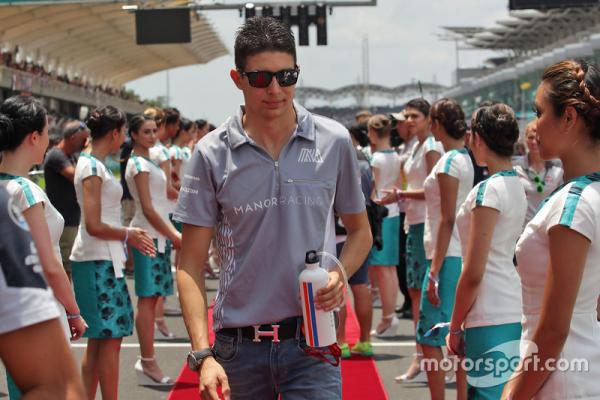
(237,136)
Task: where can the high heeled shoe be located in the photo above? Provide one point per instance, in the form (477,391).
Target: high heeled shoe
(391,330)
(146,380)
(161,334)
(414,372)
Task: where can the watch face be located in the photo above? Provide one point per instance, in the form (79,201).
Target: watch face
(192,362)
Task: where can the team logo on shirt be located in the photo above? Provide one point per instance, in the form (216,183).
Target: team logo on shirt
(16,216)
(310,156)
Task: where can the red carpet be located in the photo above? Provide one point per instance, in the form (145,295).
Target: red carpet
(360,379)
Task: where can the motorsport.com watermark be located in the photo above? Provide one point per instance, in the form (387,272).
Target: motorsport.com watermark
(496,366)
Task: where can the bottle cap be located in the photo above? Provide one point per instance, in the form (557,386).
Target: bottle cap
(311,257)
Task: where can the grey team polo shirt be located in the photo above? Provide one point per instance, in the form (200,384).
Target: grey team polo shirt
(267,214)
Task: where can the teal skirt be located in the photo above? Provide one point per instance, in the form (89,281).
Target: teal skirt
(493,353)
(389,255)
(429,315)
(103,300)
(178,225)
(14,393)
(152,274)
(416,264)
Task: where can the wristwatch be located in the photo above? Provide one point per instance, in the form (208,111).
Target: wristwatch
(195,358)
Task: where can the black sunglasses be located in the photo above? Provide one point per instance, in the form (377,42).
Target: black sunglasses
(262,79)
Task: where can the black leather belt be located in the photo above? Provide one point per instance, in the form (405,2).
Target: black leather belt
(277,331)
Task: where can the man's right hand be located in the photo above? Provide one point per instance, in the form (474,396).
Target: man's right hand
(212,375)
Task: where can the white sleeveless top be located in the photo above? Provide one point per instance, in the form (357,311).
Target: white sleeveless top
(576,206)
(158,194)
(86,246)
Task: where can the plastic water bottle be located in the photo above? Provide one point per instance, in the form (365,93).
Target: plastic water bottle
(319,325)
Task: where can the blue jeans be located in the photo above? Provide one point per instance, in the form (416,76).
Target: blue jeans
(265,370)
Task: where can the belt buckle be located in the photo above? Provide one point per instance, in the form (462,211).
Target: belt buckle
(258,333)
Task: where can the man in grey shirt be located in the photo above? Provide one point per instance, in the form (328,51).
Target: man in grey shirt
(268,181)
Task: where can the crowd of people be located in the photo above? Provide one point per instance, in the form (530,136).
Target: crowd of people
(8,59)
(78,229)
(488,250)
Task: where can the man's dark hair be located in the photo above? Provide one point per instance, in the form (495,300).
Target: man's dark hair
(421,105)
(260,34)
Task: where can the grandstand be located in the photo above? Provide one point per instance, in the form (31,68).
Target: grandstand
(74,54)
(343,103)
(529,41)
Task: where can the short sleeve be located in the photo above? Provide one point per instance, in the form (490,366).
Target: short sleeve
(432,145)
(197,204)
(175,153)
(25,193)
(377,161)
(159,154)
(488,196)
(349,198)
(450,165)
(57,161)
(138,165)
(577,212)
(87,167)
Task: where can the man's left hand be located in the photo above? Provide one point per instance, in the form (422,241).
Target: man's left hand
(331,296)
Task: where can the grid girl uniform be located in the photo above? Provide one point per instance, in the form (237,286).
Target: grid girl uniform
(25,194)
(415,170)
(177,153)
(98,264)
(152,274)
(538,185)
(574,206)
(457,164)
(186,155)
(495,317)
(388,164)
(159,153)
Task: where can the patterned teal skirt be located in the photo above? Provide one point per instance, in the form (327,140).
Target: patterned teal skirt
(103,300)
(429,315)
(494,351)
(389,255)
(416,264)
(152,274)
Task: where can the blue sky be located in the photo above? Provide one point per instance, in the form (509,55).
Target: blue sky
(402,40)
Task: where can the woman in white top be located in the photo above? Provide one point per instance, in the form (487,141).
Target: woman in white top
(179,151)
(446,188)
(147,184)
(559,250)
(23,143)
(99,254)
(423,155)
(540,178)
(386,168)
(488,294)
(29,316)
(167,124)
